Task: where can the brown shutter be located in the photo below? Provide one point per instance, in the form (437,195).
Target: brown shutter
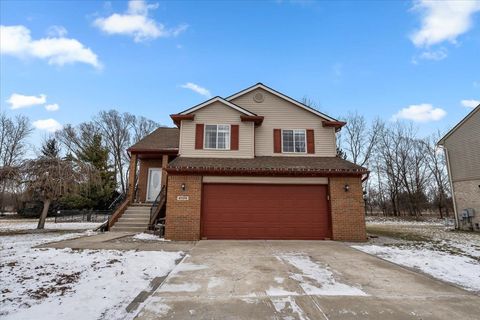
(199,136)
(234,137)
(277,141)
(310,141)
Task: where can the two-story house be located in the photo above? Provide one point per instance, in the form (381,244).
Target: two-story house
(255,165)
(462,152)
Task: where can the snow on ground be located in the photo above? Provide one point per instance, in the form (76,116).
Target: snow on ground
(30,224)
(288,305)
(8,213)
(398,221)
(75,284)
(147,237)
(316,279)
(446,254)
(458,269)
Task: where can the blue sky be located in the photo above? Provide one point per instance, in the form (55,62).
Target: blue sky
(393,59)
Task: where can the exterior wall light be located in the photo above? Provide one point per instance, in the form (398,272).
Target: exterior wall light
(184,187)
(346,188)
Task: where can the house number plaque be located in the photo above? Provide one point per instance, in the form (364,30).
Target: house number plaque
(182,198)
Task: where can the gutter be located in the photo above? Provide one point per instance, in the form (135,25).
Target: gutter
(457,222)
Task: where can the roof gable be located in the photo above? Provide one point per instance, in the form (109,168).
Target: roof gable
(281,95)
(217,99)
(449,133)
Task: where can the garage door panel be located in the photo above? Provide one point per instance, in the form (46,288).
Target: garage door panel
(241,211)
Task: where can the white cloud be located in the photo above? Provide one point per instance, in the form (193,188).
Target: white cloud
(470,103)
(135,22)
(443,20)
(57,50)
(52,107)
(436,55)
(57,31)
(19,101)
(420,113)
(50,125)
(196,88)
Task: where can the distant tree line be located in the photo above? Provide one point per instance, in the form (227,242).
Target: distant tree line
(408,173)
(79,167)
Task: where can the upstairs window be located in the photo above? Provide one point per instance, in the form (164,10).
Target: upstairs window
(217,136)
(293,141)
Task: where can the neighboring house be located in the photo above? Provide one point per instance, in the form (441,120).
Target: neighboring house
(462,151)
(255,165)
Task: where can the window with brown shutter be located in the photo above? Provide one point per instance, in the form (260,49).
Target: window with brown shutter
(277,140)
(310,141)
(199,136)
(234,136)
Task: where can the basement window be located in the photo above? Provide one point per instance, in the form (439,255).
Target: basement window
(217,136)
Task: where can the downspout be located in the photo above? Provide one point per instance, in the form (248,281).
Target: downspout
(457,222)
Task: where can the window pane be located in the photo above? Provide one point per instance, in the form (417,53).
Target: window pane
(299,141)
(223,137)
(287,140)
(211,136)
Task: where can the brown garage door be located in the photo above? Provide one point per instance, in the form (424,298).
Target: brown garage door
(244,211)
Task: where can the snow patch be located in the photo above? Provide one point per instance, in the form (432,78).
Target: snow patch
(279,280)
(214,282)
(457,269)
(76,284)
(316,279)
(280,292)
(186,267)
(289,306)
(21,224)
(148,237)
(182,287)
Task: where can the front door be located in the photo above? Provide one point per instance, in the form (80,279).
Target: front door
(154,183)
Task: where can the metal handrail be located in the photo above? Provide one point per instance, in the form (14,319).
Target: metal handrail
(157,206)
(116,201)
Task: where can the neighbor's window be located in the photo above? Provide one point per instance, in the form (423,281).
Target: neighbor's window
(217,136)
(293,141)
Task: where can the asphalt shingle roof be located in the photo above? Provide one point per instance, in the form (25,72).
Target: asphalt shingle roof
(161,139)
(279,164)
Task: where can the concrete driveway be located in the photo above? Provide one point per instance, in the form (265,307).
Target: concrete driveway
(300,280)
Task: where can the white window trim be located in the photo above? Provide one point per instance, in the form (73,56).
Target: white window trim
(228,140)
(298,152)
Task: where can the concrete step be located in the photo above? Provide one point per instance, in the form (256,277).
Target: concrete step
(138,209)
(133,223)
(128,229)
(141,205)
(129,218)
(137,213)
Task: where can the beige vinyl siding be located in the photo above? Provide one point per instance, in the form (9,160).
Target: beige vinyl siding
(265,180)
(216,113)
(463,147)
(281,114)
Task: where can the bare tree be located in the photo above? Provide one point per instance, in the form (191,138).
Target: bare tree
(76,139)
(142,127)
(13,144)
(359,139)
(51,178)
(436,163)
(116,130)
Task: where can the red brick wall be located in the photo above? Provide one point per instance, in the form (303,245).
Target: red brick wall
(347,208)
(183,217)
(145,164)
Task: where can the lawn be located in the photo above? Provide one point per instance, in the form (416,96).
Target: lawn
(430,247)
(75,284)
